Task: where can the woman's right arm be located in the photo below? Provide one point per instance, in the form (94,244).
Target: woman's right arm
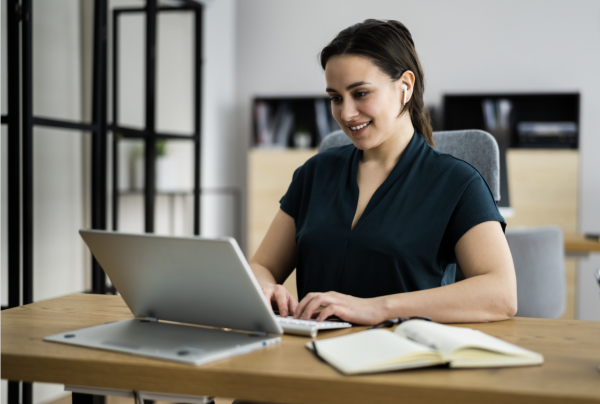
(275,260)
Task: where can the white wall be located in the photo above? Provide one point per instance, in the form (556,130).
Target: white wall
(220,166)
(464,46)
(223,161)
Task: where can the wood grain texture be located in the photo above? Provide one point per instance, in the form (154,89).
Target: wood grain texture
(577,243)
(288,373)
(544,187)
(571,278)
(269,176)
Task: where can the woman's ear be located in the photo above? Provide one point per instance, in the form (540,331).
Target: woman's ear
(407,81)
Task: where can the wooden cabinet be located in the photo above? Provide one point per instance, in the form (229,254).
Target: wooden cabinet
(270,173)
(544,187)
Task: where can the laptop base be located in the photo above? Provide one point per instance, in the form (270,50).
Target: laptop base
(168,341)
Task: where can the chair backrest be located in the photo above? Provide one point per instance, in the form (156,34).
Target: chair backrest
(476,147)
(539,258)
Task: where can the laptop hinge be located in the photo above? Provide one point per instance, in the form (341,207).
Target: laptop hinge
(153,319)
(260,333)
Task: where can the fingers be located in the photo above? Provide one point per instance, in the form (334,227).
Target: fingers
(293,306)
(282,296)
(268,292)
(286,304)
(313,302)
(279,295)
(328,312)
(301,306)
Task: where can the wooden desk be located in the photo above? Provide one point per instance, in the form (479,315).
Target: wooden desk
(288,373)
(578,244)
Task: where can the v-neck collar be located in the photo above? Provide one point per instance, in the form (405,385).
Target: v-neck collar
(399,169)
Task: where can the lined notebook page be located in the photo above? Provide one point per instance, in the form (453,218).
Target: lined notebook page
(450,339)
(372,347)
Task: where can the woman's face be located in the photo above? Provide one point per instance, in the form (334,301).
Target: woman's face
(364,100)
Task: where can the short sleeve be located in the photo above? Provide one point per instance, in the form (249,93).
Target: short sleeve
(290,202)
(476,205)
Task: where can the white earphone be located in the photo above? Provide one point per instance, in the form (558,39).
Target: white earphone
(405,91)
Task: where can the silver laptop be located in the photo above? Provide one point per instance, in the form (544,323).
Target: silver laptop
(190,280)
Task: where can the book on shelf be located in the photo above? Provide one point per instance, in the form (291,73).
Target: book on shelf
(263,128)
(283,126)
(418,343)
(273,129)
(546,128)
(321,114)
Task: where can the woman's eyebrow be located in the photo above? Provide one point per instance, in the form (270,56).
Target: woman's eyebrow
(350,87)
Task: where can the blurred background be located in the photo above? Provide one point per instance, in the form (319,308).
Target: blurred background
(526,71)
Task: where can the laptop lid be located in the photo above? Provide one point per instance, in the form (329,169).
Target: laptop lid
(184,279)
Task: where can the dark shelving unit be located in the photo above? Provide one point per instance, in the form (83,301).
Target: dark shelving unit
(20,122)
(465,111)
(304,111)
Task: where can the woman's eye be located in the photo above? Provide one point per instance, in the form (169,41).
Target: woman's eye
(336,100)
(360,94)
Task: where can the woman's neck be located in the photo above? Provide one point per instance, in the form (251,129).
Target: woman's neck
(388,152)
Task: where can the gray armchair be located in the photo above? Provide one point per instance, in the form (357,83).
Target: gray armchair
(539,257)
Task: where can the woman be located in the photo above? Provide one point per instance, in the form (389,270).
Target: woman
(374,228)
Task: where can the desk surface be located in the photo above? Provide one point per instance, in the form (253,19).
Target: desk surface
(289,373)
(577,243)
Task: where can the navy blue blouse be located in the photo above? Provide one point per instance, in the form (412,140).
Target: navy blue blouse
(404,241)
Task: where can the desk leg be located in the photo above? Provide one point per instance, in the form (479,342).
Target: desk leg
(80,398)
(20,392)
(27,391)
(13,392)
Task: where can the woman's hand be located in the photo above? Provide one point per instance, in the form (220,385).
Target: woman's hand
(348,308)
(286,303)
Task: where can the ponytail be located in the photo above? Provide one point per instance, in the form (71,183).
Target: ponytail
(421,120)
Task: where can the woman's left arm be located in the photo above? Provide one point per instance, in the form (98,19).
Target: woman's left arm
(489,292)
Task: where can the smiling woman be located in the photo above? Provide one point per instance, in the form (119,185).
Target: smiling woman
(374,229)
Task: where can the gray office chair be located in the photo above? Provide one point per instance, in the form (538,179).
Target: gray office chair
(476,147)
(539,257)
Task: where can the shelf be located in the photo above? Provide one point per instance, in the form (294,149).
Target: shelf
(288,122)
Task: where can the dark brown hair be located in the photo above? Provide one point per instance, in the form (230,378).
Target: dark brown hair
(390,47)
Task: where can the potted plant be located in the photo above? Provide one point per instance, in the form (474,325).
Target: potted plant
(165,169)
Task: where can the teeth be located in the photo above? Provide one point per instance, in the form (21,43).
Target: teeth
(360,126)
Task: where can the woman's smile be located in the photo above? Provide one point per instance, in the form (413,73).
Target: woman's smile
(358,128)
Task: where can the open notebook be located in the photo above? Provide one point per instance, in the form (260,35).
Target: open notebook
(417,343)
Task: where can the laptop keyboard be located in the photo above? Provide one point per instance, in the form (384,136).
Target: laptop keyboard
(308,328)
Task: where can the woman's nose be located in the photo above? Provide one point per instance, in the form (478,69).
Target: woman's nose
(349,111)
